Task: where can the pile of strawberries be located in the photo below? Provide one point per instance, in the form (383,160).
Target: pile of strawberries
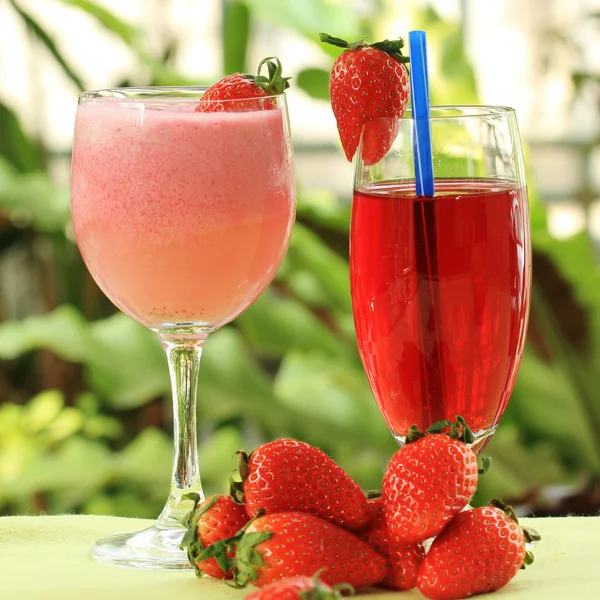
(296,525)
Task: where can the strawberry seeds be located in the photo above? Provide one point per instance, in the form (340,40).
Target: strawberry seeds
(296,523)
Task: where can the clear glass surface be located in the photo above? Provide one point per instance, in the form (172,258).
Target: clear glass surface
(183,218)
(441,285)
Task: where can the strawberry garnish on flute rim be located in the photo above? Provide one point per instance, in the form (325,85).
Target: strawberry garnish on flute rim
(369,87)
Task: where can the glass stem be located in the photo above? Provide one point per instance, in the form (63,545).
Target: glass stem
(183,356)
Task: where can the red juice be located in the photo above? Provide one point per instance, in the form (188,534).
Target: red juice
(440,293)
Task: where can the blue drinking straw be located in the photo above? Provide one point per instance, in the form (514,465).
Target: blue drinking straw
(419,91)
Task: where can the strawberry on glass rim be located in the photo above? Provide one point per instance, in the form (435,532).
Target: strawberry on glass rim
(247,91)
(369,88)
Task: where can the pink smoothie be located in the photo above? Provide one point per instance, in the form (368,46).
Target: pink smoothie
(181,217)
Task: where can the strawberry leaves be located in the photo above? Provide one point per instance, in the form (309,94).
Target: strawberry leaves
(237,552)
(274,83)
(248,557)
(391,47)
(212,527)
(190,541)
(238,477)
(531,536)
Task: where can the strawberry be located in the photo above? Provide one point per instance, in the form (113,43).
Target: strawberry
(288,475)
(429,480)
(295,588)
(215,519)
(480,551)
(369,87)
(403,559)
(242,92)
(294,544)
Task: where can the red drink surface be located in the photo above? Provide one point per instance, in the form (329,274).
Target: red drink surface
(440,292)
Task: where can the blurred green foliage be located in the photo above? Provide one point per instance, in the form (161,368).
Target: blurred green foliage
(84,410)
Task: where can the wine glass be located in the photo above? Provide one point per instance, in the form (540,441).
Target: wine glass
(182,219)
(441,285)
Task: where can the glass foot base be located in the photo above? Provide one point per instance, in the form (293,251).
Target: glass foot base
(152,548)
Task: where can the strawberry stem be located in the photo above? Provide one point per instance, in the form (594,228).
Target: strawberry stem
(242,464)
(344,588)
(529,534)
(508,510)
(274,83)
(238,477)
(462,431)
(414,434)
(486,461)
(372,494)
(528,559)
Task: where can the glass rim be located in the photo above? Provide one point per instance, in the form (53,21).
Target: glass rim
(466,111)
(161,92)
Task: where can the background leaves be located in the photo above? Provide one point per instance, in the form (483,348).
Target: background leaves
(85,416)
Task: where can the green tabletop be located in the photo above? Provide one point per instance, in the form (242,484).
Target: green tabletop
(49,558)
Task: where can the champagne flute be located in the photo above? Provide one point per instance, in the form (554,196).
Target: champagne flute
(441,285)
(182,219)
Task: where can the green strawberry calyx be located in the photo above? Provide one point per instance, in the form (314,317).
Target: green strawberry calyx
(391,47)
(531,535)
(459,430)
(238,477)
(273,83)
(373,494)
(190,541)
(319,592)
(246,558)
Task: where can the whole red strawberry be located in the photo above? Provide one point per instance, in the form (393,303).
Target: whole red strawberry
(295,588)
(403,559)
(293,544)
(288,475)
(429,481)
(369,86)
(215,519)
(480,551)
(243,92)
